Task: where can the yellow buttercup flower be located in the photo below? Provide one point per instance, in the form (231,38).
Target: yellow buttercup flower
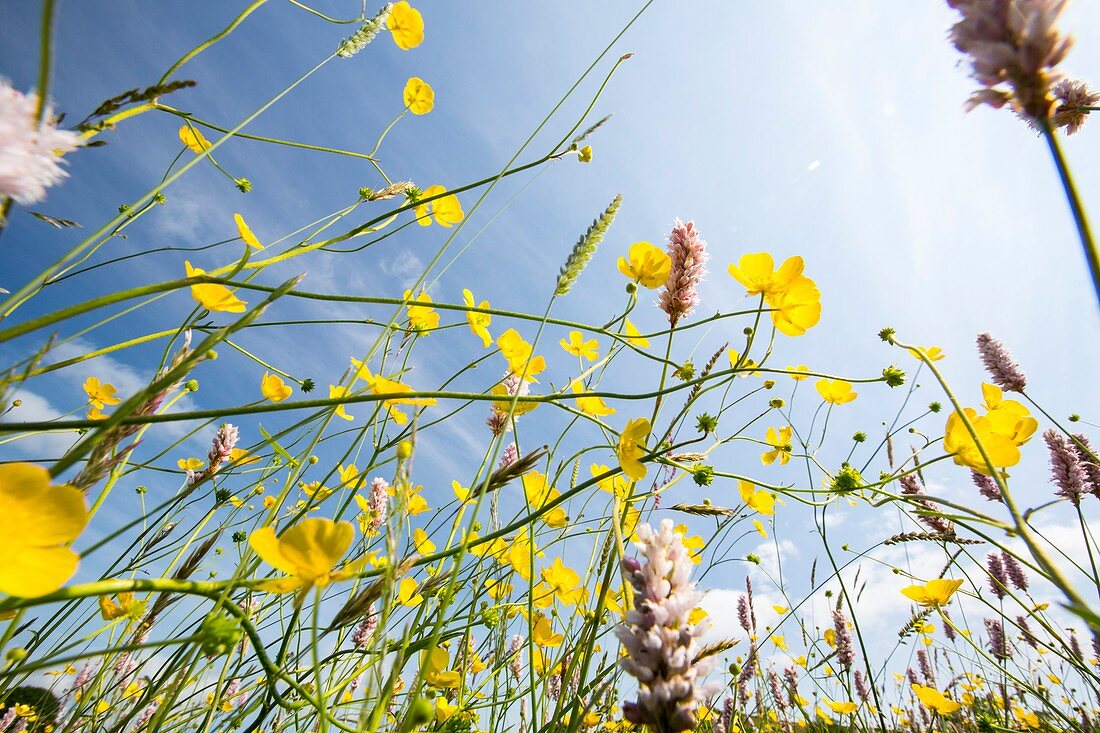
(126,607)
(462,493)
(421,542)
(694,544)
(845,707)
(246,234)
(190,464)
(758,274)
(617,485)
(434,664)
(497,589)
(632,447)
(613,602)
(835,391)
(42,521)
(502,405)
(407,594)
(780,441)
(212,296)
(793,299)
(100,393)
(590,404)
(415,503)
(539,493)
(316,490)
(479,322)
(307,552)
(518,554)
(746,366)
(240,457)
(336,392)
(393,390)
(958,441)
(797,308)
(419,96)
(633,335)
(422,318)
(933,699)
(349,476)
(646,265)
(936,592)
(542,633)
(446,210)
(577,346)
(444,710)
(1008,417)
(584,155)
(756,499)
(518,353)
(631,516)
(932,353)
(563,582)
(406,25)
(1006,426)
(274,388)
(798,373)
(193,139)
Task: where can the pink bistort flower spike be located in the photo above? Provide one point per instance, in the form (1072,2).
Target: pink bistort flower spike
(1004,372)
(658,637)
(1065,467)
(688,253)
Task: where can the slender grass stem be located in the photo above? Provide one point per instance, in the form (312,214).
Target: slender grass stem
(1076,207)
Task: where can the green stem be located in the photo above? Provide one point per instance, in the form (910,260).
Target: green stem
(45,59)
(386,132)
(261,138)
(1076,207)
(212,40)
(1088,547)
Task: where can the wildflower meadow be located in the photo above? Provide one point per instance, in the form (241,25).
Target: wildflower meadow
(549,367)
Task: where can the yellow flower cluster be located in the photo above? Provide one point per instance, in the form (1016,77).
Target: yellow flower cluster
(1005,426)
(793,298)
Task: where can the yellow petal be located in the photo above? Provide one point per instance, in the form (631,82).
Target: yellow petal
(246,233)
(29,572)
(266,544)
(315,545)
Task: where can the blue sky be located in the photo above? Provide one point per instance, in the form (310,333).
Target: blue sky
(835,131)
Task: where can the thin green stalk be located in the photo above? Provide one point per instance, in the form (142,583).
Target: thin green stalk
(1076,207)
(45,58)
(260,138)
(212,40)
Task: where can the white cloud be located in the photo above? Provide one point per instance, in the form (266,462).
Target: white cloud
(36,408)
